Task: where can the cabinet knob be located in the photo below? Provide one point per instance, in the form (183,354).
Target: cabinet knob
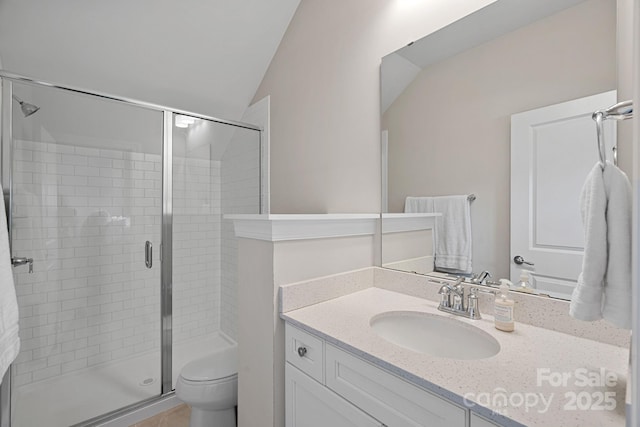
(302,351)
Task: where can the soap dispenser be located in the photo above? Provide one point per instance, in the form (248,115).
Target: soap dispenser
(503,308)
(523,284)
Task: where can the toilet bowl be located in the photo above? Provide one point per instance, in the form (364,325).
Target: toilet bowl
(210,386)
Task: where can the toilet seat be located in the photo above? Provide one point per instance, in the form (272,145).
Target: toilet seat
(215,366)
(217,381)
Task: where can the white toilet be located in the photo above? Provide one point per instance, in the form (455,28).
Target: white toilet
(210,386)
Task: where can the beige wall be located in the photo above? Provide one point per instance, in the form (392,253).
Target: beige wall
(449,132)
(325,107)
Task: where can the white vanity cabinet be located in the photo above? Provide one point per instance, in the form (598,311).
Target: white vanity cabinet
(310,404)
(326,385)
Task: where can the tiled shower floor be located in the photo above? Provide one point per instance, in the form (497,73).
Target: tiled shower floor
(72,398)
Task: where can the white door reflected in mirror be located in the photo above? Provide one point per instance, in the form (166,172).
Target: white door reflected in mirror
(553,149)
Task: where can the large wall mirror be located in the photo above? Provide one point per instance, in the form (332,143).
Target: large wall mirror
(497,108)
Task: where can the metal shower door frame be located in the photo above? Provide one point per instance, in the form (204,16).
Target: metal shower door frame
(6,120)
(166,245)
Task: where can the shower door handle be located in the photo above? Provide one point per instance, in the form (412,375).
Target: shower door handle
(148,254)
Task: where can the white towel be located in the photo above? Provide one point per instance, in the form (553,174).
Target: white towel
(604,286)
(452,234)
(617,291)
(9,340)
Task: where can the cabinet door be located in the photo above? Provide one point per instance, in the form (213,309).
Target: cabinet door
(310,404)
(387,397)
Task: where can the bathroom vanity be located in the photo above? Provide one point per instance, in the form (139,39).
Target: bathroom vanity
(341,372)
(326,385)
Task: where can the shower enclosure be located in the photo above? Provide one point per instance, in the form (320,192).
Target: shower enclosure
(118,209)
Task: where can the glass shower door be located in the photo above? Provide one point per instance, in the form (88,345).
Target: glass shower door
(216,171)
(86,207)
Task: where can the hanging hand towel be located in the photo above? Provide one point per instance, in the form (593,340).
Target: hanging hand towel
(452,233)
(586,300)
(604,286)
(9,340)
(617,286)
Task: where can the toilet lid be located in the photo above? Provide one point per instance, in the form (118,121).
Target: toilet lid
(219,364)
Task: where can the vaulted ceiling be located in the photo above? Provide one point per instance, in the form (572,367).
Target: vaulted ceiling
(206,56)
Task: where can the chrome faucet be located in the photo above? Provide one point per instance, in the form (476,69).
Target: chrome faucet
(481,278)
(458,295)
(458,308)
(446,292)
(16,261)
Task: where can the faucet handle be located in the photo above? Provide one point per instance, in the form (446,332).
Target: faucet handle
(445,296)
(458,286)
(458,302)
(472,304)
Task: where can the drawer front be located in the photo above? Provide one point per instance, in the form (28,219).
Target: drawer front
(305,352)
(393,401)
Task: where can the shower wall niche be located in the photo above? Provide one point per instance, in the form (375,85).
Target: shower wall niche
(87,177)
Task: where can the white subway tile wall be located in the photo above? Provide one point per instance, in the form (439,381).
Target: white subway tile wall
(84,215)
(196,248)
(240,180)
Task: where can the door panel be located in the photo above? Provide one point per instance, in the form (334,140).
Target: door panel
(216,171)
(552,150)
(86,196)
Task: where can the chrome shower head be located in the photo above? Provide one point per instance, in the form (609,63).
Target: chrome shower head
(27,109)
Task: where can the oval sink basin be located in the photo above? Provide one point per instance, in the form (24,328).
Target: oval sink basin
(435,335)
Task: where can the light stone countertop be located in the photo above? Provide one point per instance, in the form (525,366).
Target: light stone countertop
(516,372)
